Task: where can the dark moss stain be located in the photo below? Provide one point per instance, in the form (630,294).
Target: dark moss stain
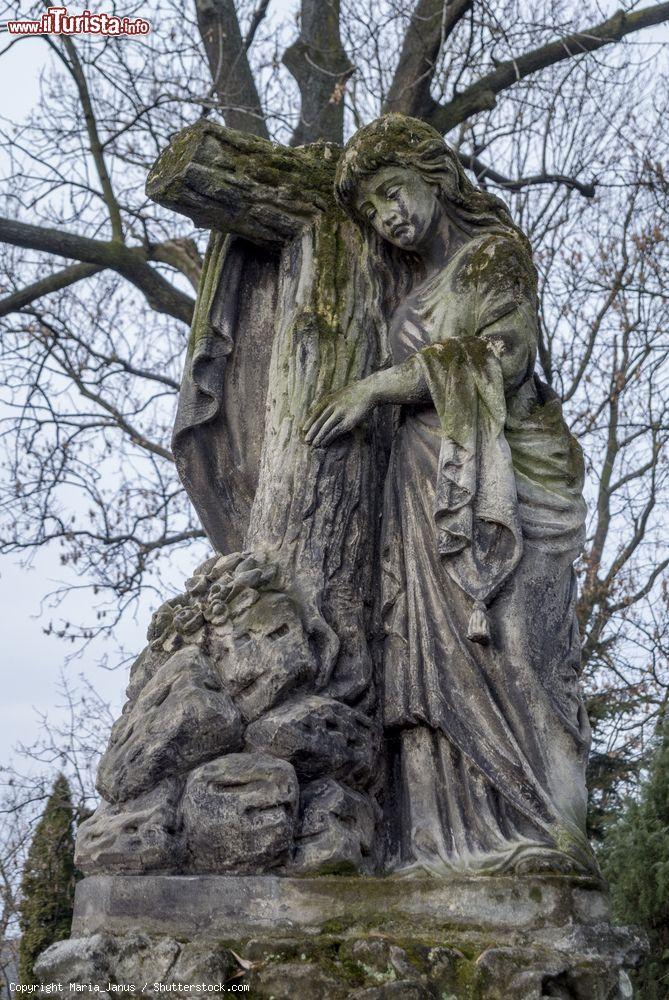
(335,868)
(247,155)
(499,266)
(535,894)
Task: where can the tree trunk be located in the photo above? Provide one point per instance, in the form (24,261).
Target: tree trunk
(320,507)
(317,509)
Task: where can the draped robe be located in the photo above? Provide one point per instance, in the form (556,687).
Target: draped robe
(483,515)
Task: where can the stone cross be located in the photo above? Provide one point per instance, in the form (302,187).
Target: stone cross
(303,323)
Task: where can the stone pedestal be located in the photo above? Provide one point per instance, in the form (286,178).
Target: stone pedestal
(489,938)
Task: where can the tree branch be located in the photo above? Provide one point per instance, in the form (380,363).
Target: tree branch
(484,172)
(634,598)
(135,435)
(182,254)
(110,360)
(256,20)
(482,95)
(131,262)
(321,68)
(74,67)
(45,286)
(431,24)
(231,74)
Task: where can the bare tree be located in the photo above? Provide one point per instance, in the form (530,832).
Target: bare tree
(71,747)
(555,106)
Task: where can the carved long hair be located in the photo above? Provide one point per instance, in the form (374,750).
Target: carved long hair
(395,140)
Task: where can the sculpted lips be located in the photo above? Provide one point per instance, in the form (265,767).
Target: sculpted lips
(401,229)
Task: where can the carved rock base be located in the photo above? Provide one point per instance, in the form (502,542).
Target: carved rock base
(337,937)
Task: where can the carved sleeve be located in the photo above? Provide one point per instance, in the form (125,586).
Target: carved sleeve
(506,309)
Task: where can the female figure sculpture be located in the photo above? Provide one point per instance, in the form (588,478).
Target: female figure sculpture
(483,517)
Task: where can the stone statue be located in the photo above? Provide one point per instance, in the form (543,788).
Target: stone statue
(483,517)
(376,671)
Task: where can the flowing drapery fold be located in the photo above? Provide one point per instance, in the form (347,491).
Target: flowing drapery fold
(483,505)
(475,505)
(217,436)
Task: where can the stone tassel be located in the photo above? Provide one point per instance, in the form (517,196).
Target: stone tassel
(478,629)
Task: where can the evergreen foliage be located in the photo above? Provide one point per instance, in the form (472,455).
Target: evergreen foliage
(47,885)
(635,859)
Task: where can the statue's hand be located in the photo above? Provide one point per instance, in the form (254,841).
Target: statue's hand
(337,413)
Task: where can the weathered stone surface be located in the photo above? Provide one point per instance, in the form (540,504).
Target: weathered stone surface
(181,718)
(319,736)
(266,656)
(139,836)
(336,829)
(383,959)
(212,906)
(289,980)
(77,959)
(356,963)
(204,963)
(143,670)
(133,959)
(269,208)
(239,814)
(523,973)
(139,959)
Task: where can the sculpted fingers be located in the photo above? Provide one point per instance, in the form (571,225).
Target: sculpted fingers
(316,408)
(316,421)
(329,430)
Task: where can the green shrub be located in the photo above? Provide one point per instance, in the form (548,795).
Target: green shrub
(47,885)
(635,859)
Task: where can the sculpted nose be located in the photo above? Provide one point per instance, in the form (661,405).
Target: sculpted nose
(391,217)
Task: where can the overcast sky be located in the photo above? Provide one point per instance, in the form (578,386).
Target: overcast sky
(30,660)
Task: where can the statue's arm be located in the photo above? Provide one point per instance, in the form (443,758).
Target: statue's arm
(505,315)
(504,318)
(510,339)
(403,384)
(341,411)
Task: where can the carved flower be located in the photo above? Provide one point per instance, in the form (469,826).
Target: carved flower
(216,612)
(197,584)
(224,565)
(161,622)
(249,578)
(251,561)
(188,619)
(220,590)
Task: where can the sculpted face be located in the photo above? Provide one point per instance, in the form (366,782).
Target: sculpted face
(401,206)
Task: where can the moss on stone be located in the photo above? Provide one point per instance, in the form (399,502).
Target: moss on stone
(535,893)
(334,927)
(466,979)
(331,868)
